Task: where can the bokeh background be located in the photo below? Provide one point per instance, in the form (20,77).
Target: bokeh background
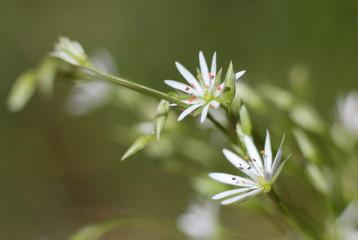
(60,172)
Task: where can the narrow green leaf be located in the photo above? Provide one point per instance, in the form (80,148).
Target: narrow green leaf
(138,145)
(161,117)
(22,90)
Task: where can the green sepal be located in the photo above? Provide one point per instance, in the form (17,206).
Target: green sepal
(229,90)
(161,117)
(22,90)
(138,145)
(218,79)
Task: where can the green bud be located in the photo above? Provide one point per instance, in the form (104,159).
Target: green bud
(308,118)
(161,117)
(318,178)
(245,120)
(229,90)
(22,90)
(46,74)
(306,145)
(138,145)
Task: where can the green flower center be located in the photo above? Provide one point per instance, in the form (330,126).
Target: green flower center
(265,185)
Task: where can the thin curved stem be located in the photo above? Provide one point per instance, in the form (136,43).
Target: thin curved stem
(232,125)
(93,73)
(308,231)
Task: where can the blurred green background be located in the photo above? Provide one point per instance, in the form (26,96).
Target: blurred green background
(59,172)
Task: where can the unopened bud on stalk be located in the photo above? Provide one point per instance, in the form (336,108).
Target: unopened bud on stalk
(229,90)
(161,117)
(318,178)
(307,147)
(138,145)
(22,90)
(245,120)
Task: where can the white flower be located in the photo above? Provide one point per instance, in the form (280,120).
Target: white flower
(348,112)
(71,52)
(88,96)
(346,224)
(261,174)
(200,221)
(204,91)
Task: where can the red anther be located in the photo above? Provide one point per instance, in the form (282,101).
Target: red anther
(192,84)
(211,76)
(211,106)
(219,88)
(187,89)
(193,96)
(190,100)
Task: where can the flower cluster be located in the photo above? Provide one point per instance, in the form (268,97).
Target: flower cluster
(204,90)
(261,174)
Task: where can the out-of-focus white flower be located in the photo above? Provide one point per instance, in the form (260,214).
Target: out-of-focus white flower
(347,223)
(348,112)
(204,90)
(262,174)
(71,52)
(88,96)
(200,221)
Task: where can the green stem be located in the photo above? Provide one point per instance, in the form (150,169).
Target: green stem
(308,231)
(95,74)
(235,235)
(232,125)
(221,128)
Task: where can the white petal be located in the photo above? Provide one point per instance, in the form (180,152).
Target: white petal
(235,159)
(268,152)
(204,113)
(242,197)
(215,104)
(177,85)
(188,76)
(252,150)
(217,92)
(239,74)
(278,157)
(204,68)
(213,71)
(192,102)
(187,111)
(233,180)
(213,65)
(230,192)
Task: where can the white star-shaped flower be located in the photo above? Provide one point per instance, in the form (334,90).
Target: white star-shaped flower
(203,90)
(261,174)
(71,52)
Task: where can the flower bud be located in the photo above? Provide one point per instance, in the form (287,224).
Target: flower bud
(22,90)
(161,117)
(138,145)
(229,90)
